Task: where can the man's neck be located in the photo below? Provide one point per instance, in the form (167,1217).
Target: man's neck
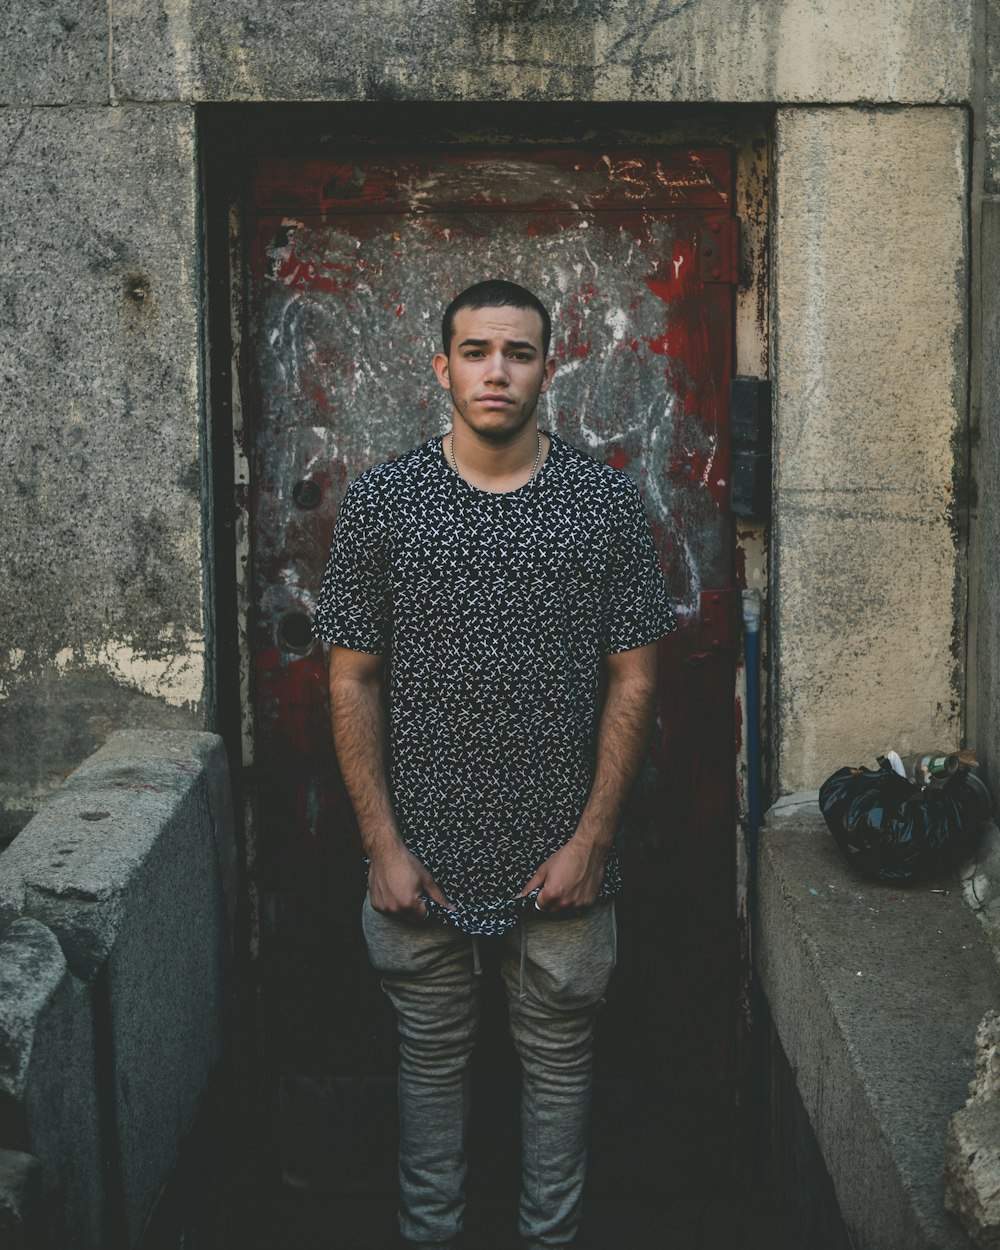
(496,467)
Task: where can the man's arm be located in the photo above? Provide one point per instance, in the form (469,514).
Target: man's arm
(396,878)
(572,876)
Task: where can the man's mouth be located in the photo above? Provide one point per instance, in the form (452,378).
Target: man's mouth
(495,399)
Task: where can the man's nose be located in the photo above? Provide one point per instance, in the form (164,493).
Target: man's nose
(497,369)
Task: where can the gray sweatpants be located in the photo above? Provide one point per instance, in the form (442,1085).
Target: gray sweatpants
(555,972)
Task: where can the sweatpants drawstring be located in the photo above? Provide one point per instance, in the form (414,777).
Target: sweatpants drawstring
(522,992)
(477,967)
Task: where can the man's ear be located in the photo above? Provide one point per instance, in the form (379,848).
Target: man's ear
(441,369)
(550,368)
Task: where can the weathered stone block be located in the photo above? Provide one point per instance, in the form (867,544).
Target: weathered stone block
(143,795)
(21,1219)
(986,534)
(101,506)
(52,53)
(865,646)
(132,865)
(991,126)
(972,1152)
(981,885)
(986,1082)
(721,50)
(48,1091)
(972,1171)
(870,334)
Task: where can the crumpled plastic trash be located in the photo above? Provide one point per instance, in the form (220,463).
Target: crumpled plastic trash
(895,831)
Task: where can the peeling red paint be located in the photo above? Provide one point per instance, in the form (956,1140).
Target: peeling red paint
(335,247)
(573,340)
(321,399)
(659,345)
(293,271)
(488,181)
(681,276)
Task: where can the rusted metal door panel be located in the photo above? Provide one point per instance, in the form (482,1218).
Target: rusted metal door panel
(349,263)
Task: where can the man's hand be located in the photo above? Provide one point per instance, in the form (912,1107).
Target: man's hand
(397,880)
(570,878)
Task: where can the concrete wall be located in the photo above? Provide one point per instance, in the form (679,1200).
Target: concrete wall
(986,410)
(987,584)
(728,50)
(695,50)
(116,910)
(105,514)
(870,358)
(102,501)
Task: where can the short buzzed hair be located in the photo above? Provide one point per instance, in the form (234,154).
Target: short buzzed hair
(495,293)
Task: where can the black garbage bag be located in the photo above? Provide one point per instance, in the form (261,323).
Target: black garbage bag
(893,830)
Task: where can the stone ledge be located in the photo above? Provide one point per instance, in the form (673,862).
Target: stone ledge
(876,993)
(80,860)
(117,962)
(32,969)
(49,1118)
(20,1199)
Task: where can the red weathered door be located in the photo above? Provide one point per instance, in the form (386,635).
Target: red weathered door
(349,264)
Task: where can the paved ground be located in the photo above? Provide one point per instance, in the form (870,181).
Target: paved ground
(227,1197)
(303,1222)
(655,1181)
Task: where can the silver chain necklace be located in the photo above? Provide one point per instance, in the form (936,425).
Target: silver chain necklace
(534,467)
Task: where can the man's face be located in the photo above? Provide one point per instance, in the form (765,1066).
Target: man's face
(495,370)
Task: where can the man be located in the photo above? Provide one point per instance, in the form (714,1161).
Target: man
(477,589)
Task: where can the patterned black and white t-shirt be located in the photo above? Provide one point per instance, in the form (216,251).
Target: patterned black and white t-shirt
(494,612)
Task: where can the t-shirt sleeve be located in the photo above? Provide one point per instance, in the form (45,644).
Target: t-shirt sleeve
(636,610)
(351,609)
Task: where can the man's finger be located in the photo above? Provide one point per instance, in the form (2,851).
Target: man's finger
(536,881)
(434,891)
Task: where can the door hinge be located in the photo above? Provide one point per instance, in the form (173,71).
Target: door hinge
(719,248)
